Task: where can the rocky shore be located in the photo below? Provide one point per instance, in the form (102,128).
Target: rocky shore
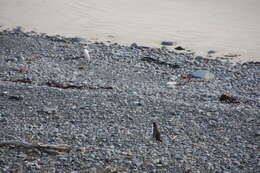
(61,111)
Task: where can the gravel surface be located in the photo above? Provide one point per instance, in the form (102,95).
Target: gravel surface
(103,108)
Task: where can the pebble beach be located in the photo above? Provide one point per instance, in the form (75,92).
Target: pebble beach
(64,111)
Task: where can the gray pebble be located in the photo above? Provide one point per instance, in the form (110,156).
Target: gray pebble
(50,110)
(211,52)
(134,45)
(199,58)
(257,133)
(167,43)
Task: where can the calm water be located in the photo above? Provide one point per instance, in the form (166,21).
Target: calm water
(226,26)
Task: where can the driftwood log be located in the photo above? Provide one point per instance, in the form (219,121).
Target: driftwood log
(49,148)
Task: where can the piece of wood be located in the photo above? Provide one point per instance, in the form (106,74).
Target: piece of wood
(49,148)
(72,86)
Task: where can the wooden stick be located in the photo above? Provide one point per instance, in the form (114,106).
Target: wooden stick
(56,149)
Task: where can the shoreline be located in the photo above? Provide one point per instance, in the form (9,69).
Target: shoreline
(212,54)
(67,112)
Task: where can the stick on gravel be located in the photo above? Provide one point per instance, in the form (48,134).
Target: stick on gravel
(50,148)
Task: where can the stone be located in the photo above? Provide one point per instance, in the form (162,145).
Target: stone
(50,110)
(3,119)
(203,74)
(134,45)
(137,162)
(225,98)
(20,58)
(138,103)
(209,166)
(211,52)
(198,58)
(171,84)
(156,161)
(257,133)
(250,119)
(78,39)
(13,97)
(18,29)
(167,43)
(177,157)
(93,170)
(179,48)
(11,59)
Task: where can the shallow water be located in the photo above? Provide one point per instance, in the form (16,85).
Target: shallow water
(200,25)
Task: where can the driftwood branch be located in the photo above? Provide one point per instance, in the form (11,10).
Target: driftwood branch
(63,86)
(49,148)
(72,86)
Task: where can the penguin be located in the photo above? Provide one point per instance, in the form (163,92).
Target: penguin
(156,132)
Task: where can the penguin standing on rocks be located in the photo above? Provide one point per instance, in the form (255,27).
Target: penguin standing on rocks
(156,132)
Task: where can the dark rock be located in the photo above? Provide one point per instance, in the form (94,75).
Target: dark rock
(257,133)
(199,58)
(3,120)
(134,45)
(211,52)
(167,43)
(179,48)
(225,98)
(18,29)
(18,98)
(77,39)
(11,59)
(144,47)
(250,119)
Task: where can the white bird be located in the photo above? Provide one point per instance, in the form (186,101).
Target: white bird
(86,53)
